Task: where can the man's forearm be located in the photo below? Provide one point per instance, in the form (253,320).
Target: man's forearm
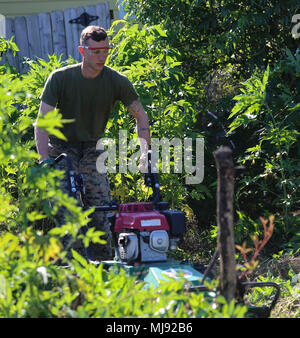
(143,129)
(142,123)
(41,135)
(41,141)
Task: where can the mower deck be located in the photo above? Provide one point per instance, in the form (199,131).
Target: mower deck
(156,273)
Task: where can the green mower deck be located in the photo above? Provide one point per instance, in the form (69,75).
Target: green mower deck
(154,273)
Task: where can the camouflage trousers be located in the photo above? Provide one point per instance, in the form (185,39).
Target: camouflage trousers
(97,192)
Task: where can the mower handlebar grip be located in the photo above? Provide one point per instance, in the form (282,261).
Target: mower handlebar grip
(60,157)
(47,162)
(51,161)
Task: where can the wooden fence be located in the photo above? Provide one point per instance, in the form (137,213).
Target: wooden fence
(40,35)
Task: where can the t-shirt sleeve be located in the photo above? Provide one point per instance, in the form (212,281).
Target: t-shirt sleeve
(52,89)
(127,93)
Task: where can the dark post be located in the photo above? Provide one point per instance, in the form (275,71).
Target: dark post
(226,248)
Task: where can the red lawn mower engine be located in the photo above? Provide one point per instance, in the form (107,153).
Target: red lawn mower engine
(144,232)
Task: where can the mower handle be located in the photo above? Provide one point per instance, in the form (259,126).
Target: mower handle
(151,179)
(103,208)
(70,171)
(61,157)
(51,161)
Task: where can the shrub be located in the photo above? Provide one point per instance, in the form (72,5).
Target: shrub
(266,112)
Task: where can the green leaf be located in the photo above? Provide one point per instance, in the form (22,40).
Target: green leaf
(51,121)
(158,29)
(79,258)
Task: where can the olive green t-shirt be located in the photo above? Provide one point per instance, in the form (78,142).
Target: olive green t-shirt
(88,101)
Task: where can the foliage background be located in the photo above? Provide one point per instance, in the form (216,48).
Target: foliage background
(237,60)
(245,63)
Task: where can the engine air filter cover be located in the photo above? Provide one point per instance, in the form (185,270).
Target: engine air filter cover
(159,241)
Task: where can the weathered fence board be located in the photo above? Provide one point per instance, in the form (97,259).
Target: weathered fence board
(21,38)
(46,35)
(77,29)
(92,9)
(102,11)
(68,15)
(34,40)
(40,35)
(58,30)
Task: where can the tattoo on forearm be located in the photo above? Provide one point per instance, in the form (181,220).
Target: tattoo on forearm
(135,106)
(142,123)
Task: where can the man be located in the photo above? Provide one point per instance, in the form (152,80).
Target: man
(87,92)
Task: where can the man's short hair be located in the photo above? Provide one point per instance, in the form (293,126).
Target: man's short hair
(95,33)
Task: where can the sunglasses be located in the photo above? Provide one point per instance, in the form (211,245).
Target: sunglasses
(97,50)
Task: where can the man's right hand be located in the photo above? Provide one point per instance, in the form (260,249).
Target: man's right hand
(43,158)
(41,136)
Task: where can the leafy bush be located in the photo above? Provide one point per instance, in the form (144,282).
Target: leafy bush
(267,112)
(213,35)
